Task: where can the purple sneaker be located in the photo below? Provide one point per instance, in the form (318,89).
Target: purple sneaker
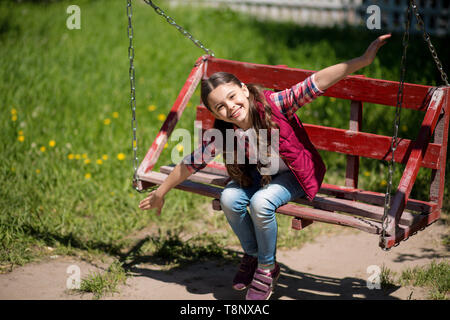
(245,273)
(263,284)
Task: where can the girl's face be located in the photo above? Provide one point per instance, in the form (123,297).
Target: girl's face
(229,102)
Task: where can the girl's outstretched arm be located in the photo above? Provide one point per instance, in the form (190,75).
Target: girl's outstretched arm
(327,77)
(155,199)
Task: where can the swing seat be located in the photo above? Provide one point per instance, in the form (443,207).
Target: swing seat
(345,205)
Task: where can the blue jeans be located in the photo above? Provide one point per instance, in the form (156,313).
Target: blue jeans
(257,227)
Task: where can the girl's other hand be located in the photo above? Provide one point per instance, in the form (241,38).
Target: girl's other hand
(372,50)
(153,201)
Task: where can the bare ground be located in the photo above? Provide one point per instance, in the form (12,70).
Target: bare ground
(332,267)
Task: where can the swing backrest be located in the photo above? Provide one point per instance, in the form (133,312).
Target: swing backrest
(353,142)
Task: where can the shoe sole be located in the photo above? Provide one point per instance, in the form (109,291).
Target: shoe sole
(237,289)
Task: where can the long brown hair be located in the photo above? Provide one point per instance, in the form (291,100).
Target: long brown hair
(241,172)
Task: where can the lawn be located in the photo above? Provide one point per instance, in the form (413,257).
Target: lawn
(65,148)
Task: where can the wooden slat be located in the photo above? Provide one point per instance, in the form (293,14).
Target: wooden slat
(368,145)
(351,87)
(300,224)
(354,143)
(441,137)
(351,174)
(329,217)
(328,203)
(175,113)
(200,176)
(198,188)
(373,197)
(356,208)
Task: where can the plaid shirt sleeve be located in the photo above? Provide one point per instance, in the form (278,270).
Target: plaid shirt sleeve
(290,100)
(201,156)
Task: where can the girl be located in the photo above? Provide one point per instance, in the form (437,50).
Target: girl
(300,168)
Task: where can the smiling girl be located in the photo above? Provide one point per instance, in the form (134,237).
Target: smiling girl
(250,199)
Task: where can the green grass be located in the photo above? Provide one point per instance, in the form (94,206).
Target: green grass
(102,284)
(435,276)
(68,91)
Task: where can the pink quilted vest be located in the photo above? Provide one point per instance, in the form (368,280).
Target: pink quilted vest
(296,150)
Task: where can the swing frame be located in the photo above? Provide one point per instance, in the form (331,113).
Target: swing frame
(342,205)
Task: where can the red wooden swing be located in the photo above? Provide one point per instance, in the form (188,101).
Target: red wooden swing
(343,205)
(363,209)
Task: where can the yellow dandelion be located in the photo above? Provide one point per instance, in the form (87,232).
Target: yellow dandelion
(87,161)
(42,149)
(161,117)
(112,193)
(87,176)
(180,148)
(77,156)
(13,111)
(166,145)
(115,115)
(105,157)
(107,121)
(383,183)
(367,173)
(121,156)
(38,171)
(13,169)
(14,117)
(21,138)
(99,161)
(151,108)
(84,156)
(20,133)
(189,104)
(71,156)
(52,143)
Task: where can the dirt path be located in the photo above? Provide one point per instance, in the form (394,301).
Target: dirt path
(333,267)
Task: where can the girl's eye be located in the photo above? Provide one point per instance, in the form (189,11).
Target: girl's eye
(219,107)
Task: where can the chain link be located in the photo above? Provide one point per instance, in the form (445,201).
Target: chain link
(430,45)
(395,139)
(132,75)
(185,33)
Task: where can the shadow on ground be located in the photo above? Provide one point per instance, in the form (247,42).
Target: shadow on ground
(214,277)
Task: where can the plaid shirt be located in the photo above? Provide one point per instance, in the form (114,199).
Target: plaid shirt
(288,100)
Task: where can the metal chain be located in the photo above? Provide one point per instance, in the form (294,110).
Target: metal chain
(185,33)
(132,75)
(395,140)
(430,45)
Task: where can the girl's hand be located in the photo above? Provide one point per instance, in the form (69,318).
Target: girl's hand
(153,201)
(372,50)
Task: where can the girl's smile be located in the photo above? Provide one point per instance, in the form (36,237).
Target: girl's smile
(230,103)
